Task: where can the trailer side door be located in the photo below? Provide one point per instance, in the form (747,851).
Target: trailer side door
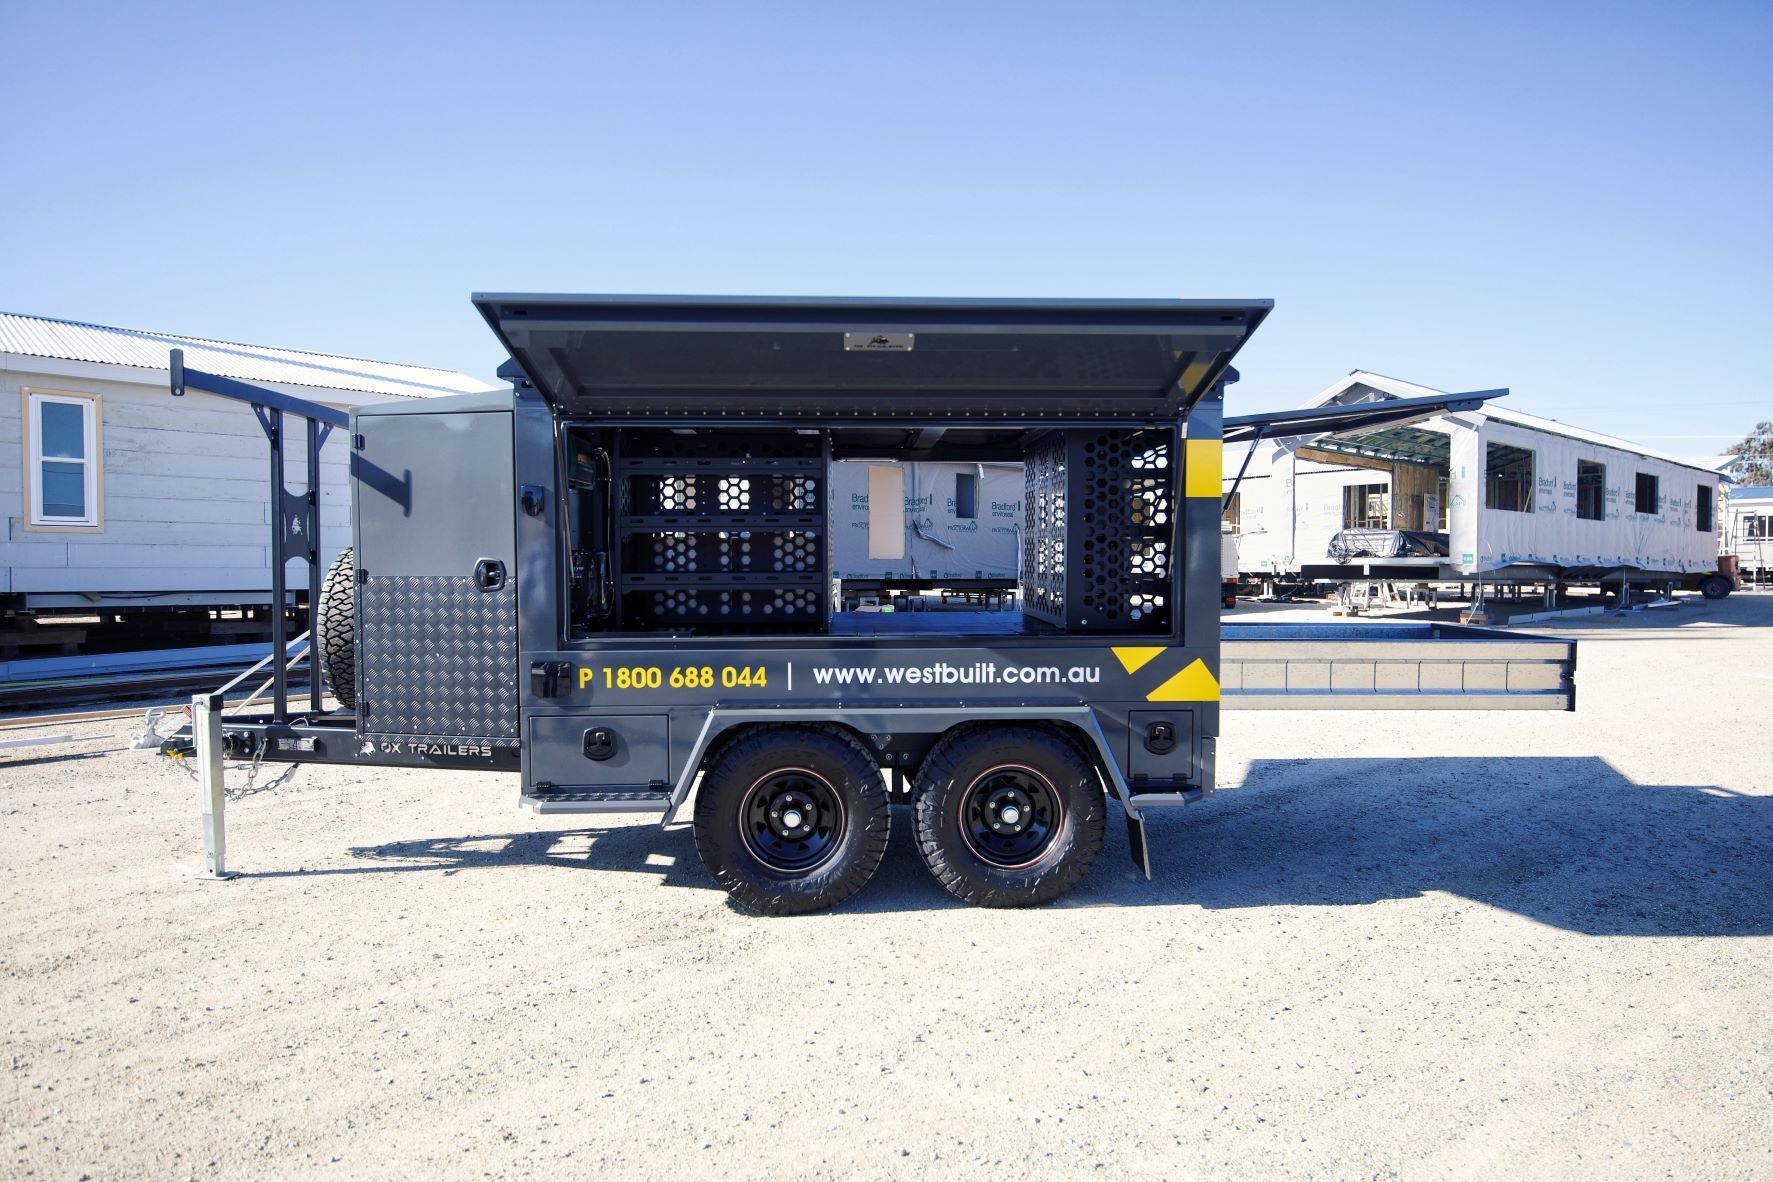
(436,562)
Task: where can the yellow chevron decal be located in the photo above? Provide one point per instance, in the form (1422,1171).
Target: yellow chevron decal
(1193,684)
(1135,659)
(1204,473)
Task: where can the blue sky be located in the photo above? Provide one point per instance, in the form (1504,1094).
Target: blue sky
(1572,201)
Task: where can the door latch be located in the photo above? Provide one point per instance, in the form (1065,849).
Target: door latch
(548,678)
(532,497)
(1160,738)
(489,574)
(600,743)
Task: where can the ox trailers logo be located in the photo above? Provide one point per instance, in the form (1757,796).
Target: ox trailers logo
(879,342)
(394,747)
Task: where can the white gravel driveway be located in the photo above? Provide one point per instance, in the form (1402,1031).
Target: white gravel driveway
(1407,946)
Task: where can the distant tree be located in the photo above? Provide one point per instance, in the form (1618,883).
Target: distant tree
(1757,456)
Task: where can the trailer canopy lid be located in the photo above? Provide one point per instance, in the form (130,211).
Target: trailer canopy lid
(656,357)
(1353,416)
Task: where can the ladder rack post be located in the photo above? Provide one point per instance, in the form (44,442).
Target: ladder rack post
(206,726)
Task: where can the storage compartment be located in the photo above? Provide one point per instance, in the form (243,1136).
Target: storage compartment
(597,752)
(1160,748)
(729,531)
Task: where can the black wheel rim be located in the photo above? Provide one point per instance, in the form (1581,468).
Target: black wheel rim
(1010,816)
(792,820)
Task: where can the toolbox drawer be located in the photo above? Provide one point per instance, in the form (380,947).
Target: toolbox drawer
(638,751)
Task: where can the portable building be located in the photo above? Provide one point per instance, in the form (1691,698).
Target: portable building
(1490,491)
(118,497)
(1748,532)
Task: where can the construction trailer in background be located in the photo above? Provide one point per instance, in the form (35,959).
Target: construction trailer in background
(1484,495)
(902,529)
(146,514)
(1748,533)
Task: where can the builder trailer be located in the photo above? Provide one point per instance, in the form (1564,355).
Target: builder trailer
(614,581)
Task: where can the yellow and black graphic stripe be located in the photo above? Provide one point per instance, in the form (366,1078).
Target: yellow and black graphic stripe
(1203,472)
(1194,682)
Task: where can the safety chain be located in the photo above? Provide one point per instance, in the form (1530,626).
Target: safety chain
(252,787)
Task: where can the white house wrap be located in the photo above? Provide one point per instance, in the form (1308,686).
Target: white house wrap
(944,538)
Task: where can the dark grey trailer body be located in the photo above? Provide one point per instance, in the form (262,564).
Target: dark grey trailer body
(608,577)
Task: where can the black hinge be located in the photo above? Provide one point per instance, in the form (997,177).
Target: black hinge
(358,443)
(362,576)
(546,678)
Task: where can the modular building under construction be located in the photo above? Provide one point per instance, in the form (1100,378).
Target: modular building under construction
(1483,494)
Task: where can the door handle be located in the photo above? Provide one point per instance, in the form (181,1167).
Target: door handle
(489,574)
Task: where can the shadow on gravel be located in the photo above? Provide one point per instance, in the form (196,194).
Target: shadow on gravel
(639,847)
(901,883)
(40,760)
(1569,842)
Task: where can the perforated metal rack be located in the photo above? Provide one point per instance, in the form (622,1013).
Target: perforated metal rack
(724,529)
(1101,530)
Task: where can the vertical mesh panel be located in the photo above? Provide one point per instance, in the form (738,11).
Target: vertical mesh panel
(1043,539)
(1124,531)
(1100,523)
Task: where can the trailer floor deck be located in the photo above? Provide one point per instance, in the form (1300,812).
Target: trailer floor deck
(940,623)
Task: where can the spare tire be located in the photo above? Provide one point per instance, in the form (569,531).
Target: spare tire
(335,628)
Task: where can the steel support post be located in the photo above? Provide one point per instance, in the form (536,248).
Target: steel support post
(316,690)
(206,726)
(279,557)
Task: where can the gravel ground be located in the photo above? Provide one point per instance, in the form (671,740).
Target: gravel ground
(1406,946)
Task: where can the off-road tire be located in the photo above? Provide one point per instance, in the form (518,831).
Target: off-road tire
(765,759)
(335,628)
(961,761)
(1715,586)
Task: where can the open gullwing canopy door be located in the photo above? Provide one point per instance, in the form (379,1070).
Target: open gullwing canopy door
(663,357)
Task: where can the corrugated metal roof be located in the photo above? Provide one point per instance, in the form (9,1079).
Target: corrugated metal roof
(41,336)
(1397,388)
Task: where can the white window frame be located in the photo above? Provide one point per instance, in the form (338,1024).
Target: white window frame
(93,461)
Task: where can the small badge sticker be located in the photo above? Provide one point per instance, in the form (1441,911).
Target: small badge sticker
(879,342)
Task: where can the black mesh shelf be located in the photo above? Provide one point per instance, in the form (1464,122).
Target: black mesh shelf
(705,492)
(722,528)
(727,552)
(749,580)
(716,522)
(766,607)
(696,465)
(728,444)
